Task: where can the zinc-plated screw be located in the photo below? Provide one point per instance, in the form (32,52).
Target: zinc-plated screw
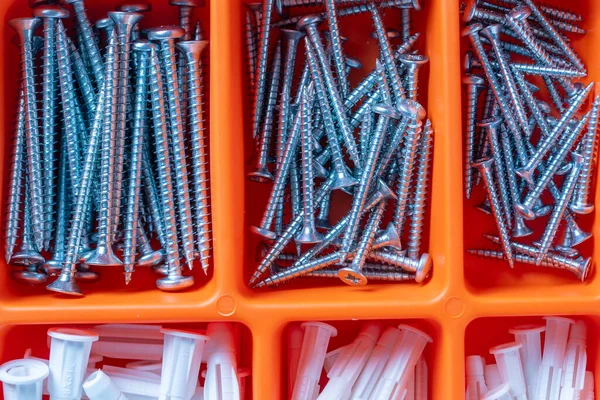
(309,24)
(131,221)
(103,254)
(152,194)
(292,38)
(25,28)
(105,25)
(580,268)
(135,6)
(308,233)
(250,44)
(474,85)
(336,47)
(287,235)
(371,275)
(193,52)
(294,272)
(29,253)
(352,275)
(553,12)
(386,53)
(174,280)
(386,113)
(198,32)
(322,221)
(485,168)
(420,196)
(553,164)
(66,282)
(535,69)
(88,39)
(343,178)
(260,171)
(167,36)
(491,126)
(421,267)
(147,256)
(186,8)
(557,37)
(413,62)
(492,32)
(554,95)
(559,208)
(580,203)
(16,182)
(532,103)
(49,14)
(415,113)
(365,135)
(472,32)
(85,83)
(546,144)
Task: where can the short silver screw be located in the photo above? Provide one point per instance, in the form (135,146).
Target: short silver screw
(413,62)
(421,267)
(186,8)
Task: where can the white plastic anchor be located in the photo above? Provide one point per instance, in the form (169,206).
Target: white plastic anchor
(98,386)
(350,363)
(23,379)
(331,357)
(181,364)
(145,365)
(379,357)
(588,387)
(494,381)
(410,387)
(312,357)
(555,344)
(476,384)
(69,354)
(574,363)
(508,359)
(421,380)
(221,373)
(497,393)
(295,337)
(402,361)
(531,353)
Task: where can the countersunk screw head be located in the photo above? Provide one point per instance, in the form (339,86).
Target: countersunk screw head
(166,32)
(175,284)
(187,3)
(292,34)
(25,27)
(415,59)
(193,47)
(472,30)
(353,63)
(416,5)
(50,11)
(352,277)
(313,19)
(520,13)
(491,123)
(124,19)
(134,6)
(474,80)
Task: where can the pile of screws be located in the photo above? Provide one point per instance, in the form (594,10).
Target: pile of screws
(315,138)
(93,169)
(514,134)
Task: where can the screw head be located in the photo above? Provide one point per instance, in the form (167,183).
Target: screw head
(492,32)
(292,34)
(187,3)
(134,6)
(85,275)
(544,107)
(192,48)
(124,20)
(474,80)
(70,1)
(521,229)
(470,11)
(542,211)
(166,32)
(151,259)
(353,63)
(52,267)
(352,277)
(525,211)
(313,19)
(36,3)
(50,11)
(468,64)
(424,267)
(520,13)
(416,5)
(25,27)
(27,257)
(414,59)
(263,232)
(28,277)
(308,235)
(472,30)
(65,285)
(103,256)
(175,283)
(104,23)
(411,109)
(261,174)
(387,110)
(143,45)
(582,208)
(483,163)
(490,123)
(586,268)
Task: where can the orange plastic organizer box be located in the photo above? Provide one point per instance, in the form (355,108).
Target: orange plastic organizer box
(462,303)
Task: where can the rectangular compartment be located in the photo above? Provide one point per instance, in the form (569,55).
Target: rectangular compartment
(486,332)
(112,281)
(494,279)
(17,339)
(435,23)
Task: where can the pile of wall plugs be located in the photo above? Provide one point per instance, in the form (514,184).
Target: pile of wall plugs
(161,363)
(378,364)
(523,371)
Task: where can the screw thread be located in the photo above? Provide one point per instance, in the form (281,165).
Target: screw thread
(380,276)
(163,163)
(584,184)
(185,21)
(300,270)
(251,50)
(365,243)
(63,209)
(152,195)
(339,60)
(364,108)
(307,162)
(89,42)
(472,107)
(501,174)
(396,259)
(365,135)
(420,196)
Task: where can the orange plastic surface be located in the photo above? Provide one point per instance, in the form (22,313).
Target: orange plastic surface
(449,306)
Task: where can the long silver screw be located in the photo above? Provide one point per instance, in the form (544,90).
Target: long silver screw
(25,28)
(559,208)
(174,280)
(66,283)
(580,203)
(167,36)
(485,168)
(336,47)
(250,39)
(421,267)
(413,62)
(88,39)
(386,113)
(474,85)
(131,221)
(135,6)
(420,196)
(200,174)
